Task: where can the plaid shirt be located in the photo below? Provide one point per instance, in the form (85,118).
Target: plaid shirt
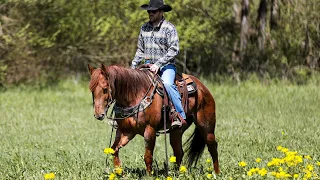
(158,44)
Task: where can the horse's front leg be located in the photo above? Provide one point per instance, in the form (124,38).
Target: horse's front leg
(150,140)
(176,144)
(122,138)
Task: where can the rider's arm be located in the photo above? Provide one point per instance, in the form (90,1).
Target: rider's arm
(140,52)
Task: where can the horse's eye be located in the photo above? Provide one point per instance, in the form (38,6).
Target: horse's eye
(105,91)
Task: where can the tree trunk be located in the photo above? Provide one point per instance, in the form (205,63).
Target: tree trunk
(274,14)
(244,25)
(262,13)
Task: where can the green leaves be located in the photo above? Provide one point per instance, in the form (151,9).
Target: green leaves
(106,31)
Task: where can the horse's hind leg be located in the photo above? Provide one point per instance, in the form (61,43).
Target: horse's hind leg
(120,141)
(206,124)
(213,149)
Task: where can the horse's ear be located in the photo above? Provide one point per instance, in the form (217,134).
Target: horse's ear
(90,68)
(103,68)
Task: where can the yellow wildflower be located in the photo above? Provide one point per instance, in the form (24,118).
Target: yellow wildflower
(308,175)
(209,176)
(275,162)
(183,169)
(118,170)
(208,160)
(108,151)
(169,178)
(49,176)
(284,150)
(262,172)
(157,179)
(308,157)
(296,176)
(279,148)
(242,164)
(252,171)
(173,159)
(258,160)
(281,175)
(309,167)
(112,176)
(318,163)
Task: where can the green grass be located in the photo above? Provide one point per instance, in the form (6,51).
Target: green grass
(53,130)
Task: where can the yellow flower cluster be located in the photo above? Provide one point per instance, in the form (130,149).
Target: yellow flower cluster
(290,166)
(108,151)
(49,176)
(281,174)
(262,172)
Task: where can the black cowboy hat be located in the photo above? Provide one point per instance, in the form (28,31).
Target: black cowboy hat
(155,5)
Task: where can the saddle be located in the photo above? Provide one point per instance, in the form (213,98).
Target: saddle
(185,85)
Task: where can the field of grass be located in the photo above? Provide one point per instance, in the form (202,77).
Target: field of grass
(53,131)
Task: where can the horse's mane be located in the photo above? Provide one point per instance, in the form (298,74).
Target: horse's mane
(127,83)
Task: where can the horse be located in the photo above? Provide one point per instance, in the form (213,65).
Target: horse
(128,87)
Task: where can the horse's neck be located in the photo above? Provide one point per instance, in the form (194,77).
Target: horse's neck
(130,88)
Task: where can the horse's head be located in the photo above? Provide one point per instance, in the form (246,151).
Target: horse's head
(101,91)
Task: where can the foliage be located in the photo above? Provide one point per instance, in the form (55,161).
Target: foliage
(51,39)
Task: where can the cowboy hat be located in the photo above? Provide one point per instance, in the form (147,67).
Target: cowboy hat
(155,5)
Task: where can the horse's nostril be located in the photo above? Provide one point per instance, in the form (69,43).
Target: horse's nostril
(99,117)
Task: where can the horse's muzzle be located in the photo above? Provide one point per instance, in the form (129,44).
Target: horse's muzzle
(99,117)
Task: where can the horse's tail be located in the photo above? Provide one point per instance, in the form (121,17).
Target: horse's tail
(195,147)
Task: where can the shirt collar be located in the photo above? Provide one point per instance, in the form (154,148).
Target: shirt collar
(159,25)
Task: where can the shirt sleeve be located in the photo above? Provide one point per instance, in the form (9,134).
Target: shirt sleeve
(139,53)
(173,50)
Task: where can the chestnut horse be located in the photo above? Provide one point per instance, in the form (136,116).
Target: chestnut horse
(128,87)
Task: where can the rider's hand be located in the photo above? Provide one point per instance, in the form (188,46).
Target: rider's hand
(154,68)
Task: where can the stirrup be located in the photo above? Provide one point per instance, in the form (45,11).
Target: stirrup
(176,124)
(176,120)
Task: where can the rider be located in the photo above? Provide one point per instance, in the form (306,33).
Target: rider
(158,44)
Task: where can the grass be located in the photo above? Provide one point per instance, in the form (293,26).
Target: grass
(53,130)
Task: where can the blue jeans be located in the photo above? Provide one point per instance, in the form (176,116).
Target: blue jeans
(167,74)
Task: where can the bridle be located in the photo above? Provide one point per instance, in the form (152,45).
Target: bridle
(110,99)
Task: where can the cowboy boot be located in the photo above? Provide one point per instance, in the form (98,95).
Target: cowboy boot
(177,120)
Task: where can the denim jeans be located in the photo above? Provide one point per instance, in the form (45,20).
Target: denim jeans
(167,74)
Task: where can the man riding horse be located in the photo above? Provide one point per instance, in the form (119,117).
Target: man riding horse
(138,108)
(158,44)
